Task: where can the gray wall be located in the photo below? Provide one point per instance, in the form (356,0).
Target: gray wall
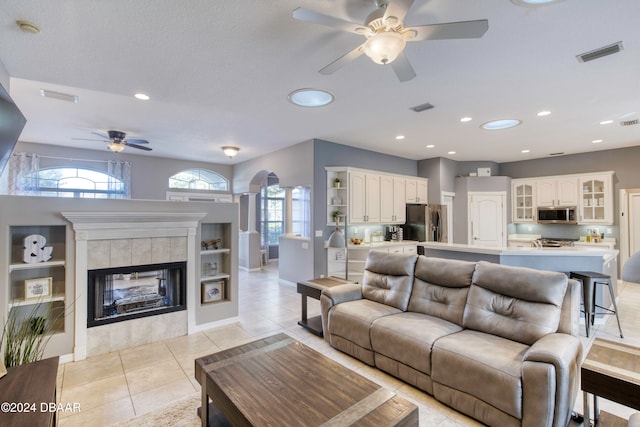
(149,175)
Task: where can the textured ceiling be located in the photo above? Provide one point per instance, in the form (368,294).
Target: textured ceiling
(219,72)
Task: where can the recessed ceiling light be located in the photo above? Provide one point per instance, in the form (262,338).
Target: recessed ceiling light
(525,151)
(533,3)
(400,137)
(466,119)
(141,96)
(544,113)
(606,122)
(430,146)
(501,124)
(451,152)
(596,141)
(311,97)
(28,27)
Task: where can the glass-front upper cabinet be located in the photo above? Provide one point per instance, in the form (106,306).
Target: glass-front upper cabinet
(596,199)
(523,199)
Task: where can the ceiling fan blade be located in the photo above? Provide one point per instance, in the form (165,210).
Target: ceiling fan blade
(87,139)
(451,30)
(306,15)
(403,69)
(397,9)
(343,60)
(140,147)
(138,141)
(101,135)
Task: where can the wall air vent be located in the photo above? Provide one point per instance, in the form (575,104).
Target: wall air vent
(59,95)
(600,52)
(629,122)
(423,107)
(556,154)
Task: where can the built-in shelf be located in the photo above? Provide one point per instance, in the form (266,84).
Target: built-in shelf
(215,277)
(215,251)
(29,266)
(21,302)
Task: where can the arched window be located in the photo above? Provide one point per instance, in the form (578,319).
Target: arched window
(199,179)
(79,183)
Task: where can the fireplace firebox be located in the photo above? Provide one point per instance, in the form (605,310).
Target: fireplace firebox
(124,293)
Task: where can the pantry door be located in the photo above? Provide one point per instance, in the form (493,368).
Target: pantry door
(487,219)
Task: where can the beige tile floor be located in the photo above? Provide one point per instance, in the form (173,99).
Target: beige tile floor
(122,385)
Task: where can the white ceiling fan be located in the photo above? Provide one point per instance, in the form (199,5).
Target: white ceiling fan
(386,35)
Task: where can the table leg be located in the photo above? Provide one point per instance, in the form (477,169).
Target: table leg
(596,410)
(204,409)
(585,410)
(304,308)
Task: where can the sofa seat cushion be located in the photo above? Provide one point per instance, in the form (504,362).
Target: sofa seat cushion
(485,366)
(352,320)
(408,337)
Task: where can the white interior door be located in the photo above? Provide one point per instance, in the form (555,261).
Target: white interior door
(447,200)
(629,223)
(487,219)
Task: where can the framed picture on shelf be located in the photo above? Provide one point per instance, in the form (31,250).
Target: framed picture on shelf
(213,291)
(38,288)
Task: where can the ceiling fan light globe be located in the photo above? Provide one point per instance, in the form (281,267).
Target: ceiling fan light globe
(116,147)
(384,47)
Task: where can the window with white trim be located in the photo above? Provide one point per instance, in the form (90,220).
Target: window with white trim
(199,179)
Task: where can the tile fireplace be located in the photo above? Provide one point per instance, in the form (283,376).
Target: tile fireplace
(125,293)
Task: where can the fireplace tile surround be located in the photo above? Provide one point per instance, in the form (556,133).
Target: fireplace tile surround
(110,240)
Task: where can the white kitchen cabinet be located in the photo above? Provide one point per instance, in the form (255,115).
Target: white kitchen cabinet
(416,190)
(557,191)
(392,199)
(523,199)
(364,198)
(596,199)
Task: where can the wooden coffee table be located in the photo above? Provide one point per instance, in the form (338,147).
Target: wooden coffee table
(278,381)
(611,370)
(313,289)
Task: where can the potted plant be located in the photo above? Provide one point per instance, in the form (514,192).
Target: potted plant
(336,182)
(336,216)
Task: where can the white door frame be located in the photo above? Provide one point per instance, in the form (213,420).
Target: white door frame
(446,198)
(625,227)
(503,196)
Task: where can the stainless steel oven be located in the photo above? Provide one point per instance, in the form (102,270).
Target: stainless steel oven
(557,215)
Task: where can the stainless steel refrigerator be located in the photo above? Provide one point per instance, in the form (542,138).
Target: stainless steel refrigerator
(426,223)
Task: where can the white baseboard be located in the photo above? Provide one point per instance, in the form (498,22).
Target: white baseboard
(210,325)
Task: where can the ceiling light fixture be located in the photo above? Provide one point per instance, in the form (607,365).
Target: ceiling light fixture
(596,141)
(534,3)
(230,151)
(451,152)
(606,122)
(28,27)
(501,124)
(399,137)
(311,97)
(384,47)
(430,146)
(543,113)
(466,119)
(141,96)
(116,147)
(525,151)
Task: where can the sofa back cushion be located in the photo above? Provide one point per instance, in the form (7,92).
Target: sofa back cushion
(388,278)
(517,303)
(440,287)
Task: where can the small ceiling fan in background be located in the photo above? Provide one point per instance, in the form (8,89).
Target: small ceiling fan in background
(387,36)
(116,141)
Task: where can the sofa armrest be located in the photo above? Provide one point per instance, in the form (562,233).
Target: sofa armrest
(336,295)
(551,371)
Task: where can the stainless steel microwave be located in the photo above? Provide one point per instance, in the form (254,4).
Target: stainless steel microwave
(557,215)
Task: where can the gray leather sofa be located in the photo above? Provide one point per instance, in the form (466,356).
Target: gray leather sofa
(497,343)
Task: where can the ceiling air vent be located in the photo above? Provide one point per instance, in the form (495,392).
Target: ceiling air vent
(629,122)
(59,95)
(556,154)
(424,107)
(600,52)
